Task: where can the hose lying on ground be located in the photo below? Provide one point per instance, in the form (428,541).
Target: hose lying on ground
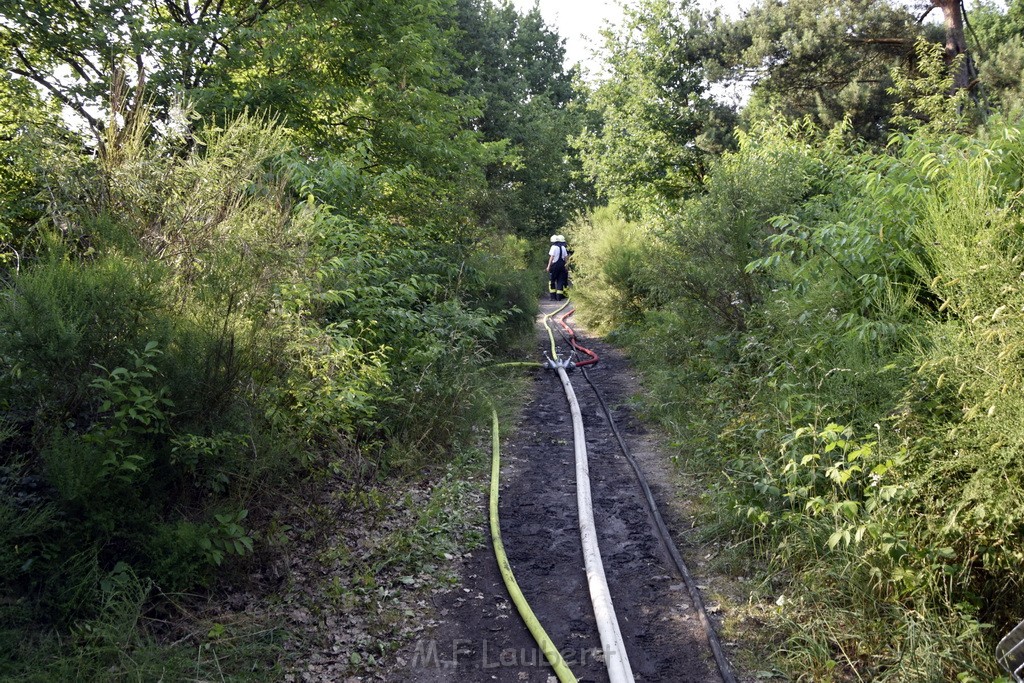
(612,644)
(574,343)
(551,335)
(663,532)
(614,647)
(551,652)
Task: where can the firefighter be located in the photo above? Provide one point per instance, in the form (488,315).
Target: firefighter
(557,269)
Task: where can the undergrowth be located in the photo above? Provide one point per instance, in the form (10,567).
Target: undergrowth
(842,367)
(193,328)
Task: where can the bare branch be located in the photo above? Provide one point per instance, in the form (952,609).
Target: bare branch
(881,41)
(177,13)
(30,73)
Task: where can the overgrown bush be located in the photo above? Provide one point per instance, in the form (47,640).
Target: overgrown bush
(187,333)
(123,347)
(610,278)
(856,415)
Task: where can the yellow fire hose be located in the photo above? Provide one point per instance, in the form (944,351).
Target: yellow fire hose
(619,670)
(551,335)
(538,632)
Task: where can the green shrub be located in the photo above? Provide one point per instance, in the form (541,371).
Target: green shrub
(194,323)
(133,345)
(610,273)
(854,407)
(501,280)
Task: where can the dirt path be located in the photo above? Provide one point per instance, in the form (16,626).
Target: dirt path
(482,638)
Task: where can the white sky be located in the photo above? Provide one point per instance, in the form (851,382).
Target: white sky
(578,21)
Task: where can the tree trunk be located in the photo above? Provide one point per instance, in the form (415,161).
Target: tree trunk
(956,43)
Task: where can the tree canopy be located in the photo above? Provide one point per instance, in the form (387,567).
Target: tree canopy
(659,124)
(513,65)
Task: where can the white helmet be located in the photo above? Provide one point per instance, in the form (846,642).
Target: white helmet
(561,238)
(554,238)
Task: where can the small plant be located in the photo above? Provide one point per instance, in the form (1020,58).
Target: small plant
(129,410)
(227,537)
(928,99)
(205,457)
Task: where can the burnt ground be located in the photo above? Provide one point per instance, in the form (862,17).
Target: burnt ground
(480,636)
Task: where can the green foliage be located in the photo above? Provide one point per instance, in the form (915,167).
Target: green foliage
(608,275)
(203,303)
(709,242)
(924,97)
(401,307)
(658,124)
(513,65)
(999,32)
(863,370)
(26,519)
(970,263)
(192,332)
(132,410)
(857,421)
(228,537)
(113,645)
(501,279)
(29,129)
(108,337)
(699,252)
(827,61)
(366,85)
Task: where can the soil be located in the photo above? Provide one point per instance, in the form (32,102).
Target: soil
(479,636)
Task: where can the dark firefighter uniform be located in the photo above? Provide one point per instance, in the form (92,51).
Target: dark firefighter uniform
(558,272)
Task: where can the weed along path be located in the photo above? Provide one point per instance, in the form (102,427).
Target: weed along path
(480,635)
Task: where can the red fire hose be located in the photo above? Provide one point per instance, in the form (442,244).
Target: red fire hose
(571,337)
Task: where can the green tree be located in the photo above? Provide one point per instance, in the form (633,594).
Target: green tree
(513,64)
(77,52)
(265,259)
(1000,36)
(828,60)
(660,125)
(367,86)
(30,128)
